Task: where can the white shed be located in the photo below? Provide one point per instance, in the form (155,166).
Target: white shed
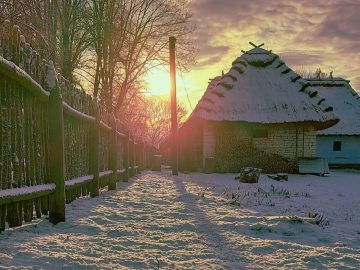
(340,144)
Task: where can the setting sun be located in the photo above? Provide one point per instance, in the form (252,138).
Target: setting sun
(158,82)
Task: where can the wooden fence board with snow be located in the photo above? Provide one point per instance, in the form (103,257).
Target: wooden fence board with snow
(55,144)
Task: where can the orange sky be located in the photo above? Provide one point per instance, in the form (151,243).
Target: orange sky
(305,34)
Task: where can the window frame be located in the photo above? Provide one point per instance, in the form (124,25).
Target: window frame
(337,146)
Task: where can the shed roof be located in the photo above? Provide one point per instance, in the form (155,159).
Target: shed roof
(346,102)
(260,88)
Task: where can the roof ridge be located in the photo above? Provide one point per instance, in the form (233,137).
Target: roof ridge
(313,94)
(346,102)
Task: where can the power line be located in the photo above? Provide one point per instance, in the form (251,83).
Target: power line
(186,91)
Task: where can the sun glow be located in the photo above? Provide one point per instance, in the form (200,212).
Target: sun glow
(158,82)
(189,87)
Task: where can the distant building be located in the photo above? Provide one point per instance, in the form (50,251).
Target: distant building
(260,113)
(340,144)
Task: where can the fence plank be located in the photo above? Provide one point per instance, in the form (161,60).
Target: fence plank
(28,210)
(2,217)
(12,215)
(94,151)
(126,158)
(113,154)
(132,169)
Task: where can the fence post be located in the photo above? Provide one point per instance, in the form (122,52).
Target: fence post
(56,148)
(146,156)
(113,154)
(141,157)
(94,150)
(132,156)
(126,157)
(136,158)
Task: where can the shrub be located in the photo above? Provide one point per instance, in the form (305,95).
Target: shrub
(232,153)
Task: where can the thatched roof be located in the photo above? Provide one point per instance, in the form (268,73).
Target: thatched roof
(260,88)
(346,102)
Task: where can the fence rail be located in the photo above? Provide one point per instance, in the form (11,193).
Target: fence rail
(54,146)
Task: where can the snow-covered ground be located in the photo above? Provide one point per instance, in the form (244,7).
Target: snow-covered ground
(185,222)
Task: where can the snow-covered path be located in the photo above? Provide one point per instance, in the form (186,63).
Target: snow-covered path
(173,219)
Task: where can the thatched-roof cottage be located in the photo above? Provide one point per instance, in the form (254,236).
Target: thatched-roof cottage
(260,113)
(340,144)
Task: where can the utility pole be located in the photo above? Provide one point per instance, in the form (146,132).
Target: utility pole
(174,152)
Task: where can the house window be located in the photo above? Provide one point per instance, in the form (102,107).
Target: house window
(337,146)
(260,133)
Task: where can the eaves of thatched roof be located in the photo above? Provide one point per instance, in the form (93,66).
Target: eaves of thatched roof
(261,88)
(345,101)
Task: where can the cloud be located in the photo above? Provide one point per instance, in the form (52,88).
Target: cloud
(301,58)
(341,26)
(304,33)
(208,55)
(209,61)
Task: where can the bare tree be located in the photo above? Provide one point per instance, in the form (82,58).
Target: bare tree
(134,117)
(61,26)
(130,37)
(308,74)
(110,43)
(148,119)
(159,119)
(74,35)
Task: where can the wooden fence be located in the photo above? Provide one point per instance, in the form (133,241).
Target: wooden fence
(55,143)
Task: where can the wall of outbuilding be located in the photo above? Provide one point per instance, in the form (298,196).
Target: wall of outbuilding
(349,153)
(288,140)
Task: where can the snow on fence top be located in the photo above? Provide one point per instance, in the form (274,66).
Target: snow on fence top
(346,102)
(260,88)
